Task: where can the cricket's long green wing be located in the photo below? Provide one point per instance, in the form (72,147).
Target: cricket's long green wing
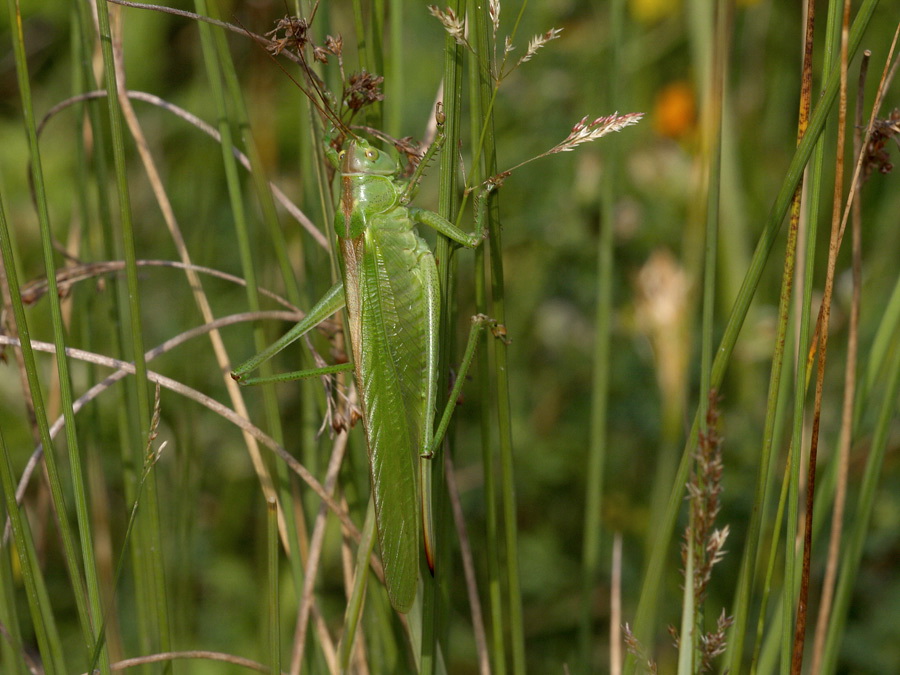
(390,374)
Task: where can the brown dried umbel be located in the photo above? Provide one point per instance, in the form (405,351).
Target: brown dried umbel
(291,33)
(362,89)
(876,154)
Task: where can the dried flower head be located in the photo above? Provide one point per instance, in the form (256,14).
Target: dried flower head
(362,89)
(335,45)
(151,454)
(320,54)
(636,649)
(662,311)
(498,69)
(876,154)
(451,23)
(713,644)
(585,132)
(704,489)
(494,13)
(537,42)
(291,32)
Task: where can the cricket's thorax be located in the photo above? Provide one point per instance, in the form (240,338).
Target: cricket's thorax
(373,195)
(364,199)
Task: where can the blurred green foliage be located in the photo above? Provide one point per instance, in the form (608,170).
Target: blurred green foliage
(214,518)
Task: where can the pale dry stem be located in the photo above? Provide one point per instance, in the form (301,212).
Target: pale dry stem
(165,205)
(124,368)
(459,521)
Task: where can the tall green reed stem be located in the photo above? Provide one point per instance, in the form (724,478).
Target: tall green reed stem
(42,616)
(147,549)
(601,357)
(435,609)
(91,615)
(483,141)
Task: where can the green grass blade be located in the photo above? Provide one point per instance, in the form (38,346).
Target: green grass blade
(89,626)
(147,550)
(739,313)
(274,623)
(877,357)
(482,94)
(232,113)
(41,612)
(12,651)
(856,534)
(605,312)
(434,606)
(353,612)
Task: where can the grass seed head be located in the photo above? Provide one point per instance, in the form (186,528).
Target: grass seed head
(585,132)
(537,42)
(451,23)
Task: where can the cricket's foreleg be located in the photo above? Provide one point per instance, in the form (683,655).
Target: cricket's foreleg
(446,228)
(330,140)
(433,149)
(330,303)
(451,231)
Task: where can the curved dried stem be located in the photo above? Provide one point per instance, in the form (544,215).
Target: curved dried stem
(125,368)
(289,206)
(465,549)
(165,657)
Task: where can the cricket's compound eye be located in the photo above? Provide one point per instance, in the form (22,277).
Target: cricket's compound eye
(342,154)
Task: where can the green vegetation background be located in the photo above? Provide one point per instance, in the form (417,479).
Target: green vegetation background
(213,514)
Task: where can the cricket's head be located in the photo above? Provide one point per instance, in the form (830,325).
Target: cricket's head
(360,158)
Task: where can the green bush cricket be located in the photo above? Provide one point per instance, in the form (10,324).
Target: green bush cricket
(391,292)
